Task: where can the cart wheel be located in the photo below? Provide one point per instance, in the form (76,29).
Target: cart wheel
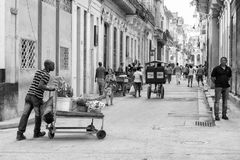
(90,128)
(149,92)
(101,134)
(162,92)
(51,135)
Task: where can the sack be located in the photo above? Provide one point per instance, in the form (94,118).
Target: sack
(132,90)
(47,110)
(79,105)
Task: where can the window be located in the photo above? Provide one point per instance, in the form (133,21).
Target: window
(28,54)
(64,58)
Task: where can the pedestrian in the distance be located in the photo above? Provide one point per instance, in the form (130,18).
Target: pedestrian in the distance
(169,73)
(34,100)
(220,77)
(100,77)
(109,84)
(120,68)
(185,71)
(199,75)
(138,81)
(190,76)
(178,72)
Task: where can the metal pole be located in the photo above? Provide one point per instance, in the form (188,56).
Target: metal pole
(39,34)
(57,35)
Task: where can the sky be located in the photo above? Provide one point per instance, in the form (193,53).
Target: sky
(183,8)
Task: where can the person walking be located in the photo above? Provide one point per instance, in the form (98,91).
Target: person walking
(120,68)
(178,72)
(199,74)
(99,77)
(220,77)
(185,72)
(34,100)
(169,73)
(138,81)
(190,75)
(109,83)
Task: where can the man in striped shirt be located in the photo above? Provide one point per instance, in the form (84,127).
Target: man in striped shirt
(34,100)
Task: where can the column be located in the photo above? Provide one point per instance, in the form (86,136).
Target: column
(124,49)
(74,49)
(214,44)
(2,41)
(110,59)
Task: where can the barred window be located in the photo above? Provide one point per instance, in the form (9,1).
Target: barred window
(64,58)
(28,54)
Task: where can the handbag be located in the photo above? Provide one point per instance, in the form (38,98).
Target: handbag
(47,110)
(132,90)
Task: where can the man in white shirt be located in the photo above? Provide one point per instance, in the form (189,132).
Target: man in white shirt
(138,81)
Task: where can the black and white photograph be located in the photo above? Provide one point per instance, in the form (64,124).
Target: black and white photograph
(119,79)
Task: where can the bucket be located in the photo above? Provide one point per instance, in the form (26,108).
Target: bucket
(64,104)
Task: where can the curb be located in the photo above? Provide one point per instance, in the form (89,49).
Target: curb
(210,102)
(9,125)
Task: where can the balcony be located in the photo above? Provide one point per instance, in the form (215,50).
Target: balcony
(128,6)
(133,7)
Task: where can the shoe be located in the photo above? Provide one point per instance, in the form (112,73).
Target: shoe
(20,136)
(106,104)
(188,85)
(225,117)
(140,96)
(40,134)
(217,118)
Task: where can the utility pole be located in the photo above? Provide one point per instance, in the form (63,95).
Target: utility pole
(57,35)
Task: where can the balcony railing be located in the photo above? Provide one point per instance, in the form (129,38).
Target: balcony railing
(143,12)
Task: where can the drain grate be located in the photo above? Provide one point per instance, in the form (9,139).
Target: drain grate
(204,124)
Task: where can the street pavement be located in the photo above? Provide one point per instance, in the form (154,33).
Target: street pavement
(139,129)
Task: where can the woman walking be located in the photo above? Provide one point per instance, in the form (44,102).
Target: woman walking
(190,75)
(169,72)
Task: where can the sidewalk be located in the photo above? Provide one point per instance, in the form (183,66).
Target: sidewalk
(233,102)
(13,123)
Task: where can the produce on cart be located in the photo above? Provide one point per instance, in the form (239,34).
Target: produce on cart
(78,107)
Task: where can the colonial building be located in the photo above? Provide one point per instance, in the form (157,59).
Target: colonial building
(223,35)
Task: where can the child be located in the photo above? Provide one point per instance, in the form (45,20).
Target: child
(110,79)
(109,94)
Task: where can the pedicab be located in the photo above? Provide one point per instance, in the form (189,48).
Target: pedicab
(155,75)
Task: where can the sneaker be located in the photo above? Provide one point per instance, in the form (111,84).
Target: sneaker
(225,117)
(40,134)
(20,136)
(217,118)
(106,104)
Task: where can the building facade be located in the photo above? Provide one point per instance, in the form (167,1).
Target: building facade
(222,35)
(31,32)
(76,35)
